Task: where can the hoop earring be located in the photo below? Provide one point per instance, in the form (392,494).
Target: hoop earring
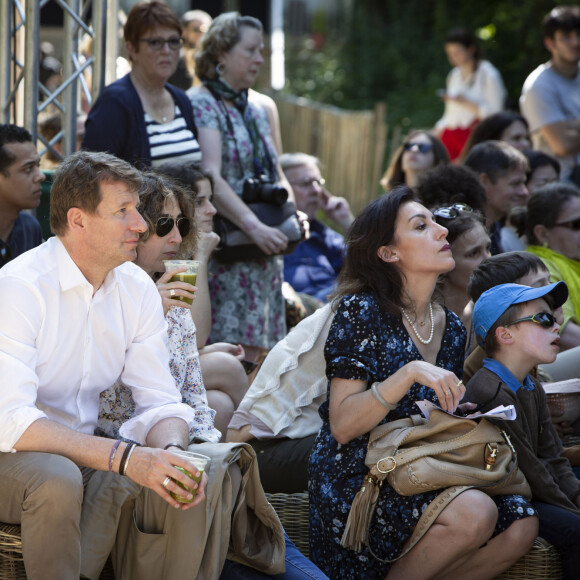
(219,68)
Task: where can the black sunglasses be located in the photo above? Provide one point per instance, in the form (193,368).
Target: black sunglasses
(452,211)
(544,319)
(572,225)
(421,147)
(165,224)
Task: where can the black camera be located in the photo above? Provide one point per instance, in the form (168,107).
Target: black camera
(262,189)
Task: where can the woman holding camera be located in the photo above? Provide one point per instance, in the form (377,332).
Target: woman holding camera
(238,146)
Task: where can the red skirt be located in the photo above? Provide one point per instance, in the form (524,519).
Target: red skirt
(455,139)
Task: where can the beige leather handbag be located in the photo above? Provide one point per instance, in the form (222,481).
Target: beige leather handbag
(416,455)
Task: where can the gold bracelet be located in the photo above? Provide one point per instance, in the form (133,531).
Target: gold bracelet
(379,398)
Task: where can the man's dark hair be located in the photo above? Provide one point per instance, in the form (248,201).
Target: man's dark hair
(561,18)
(449,184)
(506,268)
(495,159)
(11,134)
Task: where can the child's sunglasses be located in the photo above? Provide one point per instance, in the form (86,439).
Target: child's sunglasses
(165,224)
(544,319)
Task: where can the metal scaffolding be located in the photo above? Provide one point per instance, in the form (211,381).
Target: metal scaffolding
(22,96)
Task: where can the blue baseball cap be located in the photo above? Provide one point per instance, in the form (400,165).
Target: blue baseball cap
(495,301)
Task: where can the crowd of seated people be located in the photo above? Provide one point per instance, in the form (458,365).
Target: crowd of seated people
(388,295)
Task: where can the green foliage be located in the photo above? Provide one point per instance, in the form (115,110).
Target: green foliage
(393,51)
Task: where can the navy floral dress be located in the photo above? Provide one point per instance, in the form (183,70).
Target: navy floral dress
(367,344)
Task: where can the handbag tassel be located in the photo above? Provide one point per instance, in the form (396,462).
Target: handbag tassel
(361,511)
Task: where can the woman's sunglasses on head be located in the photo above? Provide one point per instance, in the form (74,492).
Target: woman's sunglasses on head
(165,224)
(452,211)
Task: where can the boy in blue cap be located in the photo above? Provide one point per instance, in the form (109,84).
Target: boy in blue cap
(515,326)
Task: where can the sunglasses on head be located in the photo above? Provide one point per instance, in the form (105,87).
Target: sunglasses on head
(544,319)
(571,225)
(421,147)
(165,224)
(452,211)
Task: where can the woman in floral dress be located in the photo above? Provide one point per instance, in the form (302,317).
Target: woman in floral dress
(389,346)
(237,143)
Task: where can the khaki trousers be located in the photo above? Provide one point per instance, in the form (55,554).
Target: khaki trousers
(44,493)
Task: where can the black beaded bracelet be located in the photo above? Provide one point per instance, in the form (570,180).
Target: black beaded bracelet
(124,459)
(174,445)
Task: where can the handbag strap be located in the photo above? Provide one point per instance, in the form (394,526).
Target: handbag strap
(433,510)
(426,520)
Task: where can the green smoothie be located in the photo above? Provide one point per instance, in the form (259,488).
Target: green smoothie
(184,277)
(180,498)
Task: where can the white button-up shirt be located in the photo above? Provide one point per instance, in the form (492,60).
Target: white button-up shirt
(60,346)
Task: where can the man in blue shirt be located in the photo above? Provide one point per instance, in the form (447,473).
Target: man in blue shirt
(314,265)
(20,189)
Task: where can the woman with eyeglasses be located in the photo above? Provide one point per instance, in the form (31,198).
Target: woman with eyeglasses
(391,345)
(419,153)
(470,245)
(239,145)
(141,118)
(551,224)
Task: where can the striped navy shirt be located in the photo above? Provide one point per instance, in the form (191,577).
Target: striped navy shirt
(171,141)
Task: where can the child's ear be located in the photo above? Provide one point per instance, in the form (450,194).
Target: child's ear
(503,335)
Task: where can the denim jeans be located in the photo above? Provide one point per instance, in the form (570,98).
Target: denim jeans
(298,567)
(562,529)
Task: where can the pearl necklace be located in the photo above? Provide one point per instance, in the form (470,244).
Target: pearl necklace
(415,329)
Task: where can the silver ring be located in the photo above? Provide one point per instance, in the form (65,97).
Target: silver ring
(172,292)
(459,383)
(166,481)
(447,393)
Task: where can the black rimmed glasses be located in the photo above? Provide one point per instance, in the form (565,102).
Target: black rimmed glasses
(571,225)
(421,147)
(165,224)
(174,43)
(452,211)
(544,319)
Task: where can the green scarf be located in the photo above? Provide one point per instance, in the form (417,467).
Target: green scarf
(569,272)
(220,89)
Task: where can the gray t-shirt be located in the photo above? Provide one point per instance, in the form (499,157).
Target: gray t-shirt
(548,98)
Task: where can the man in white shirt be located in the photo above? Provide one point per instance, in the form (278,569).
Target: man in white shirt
(550,98)
(75,315)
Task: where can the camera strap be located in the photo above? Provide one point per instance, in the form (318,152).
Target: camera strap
(262,160)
